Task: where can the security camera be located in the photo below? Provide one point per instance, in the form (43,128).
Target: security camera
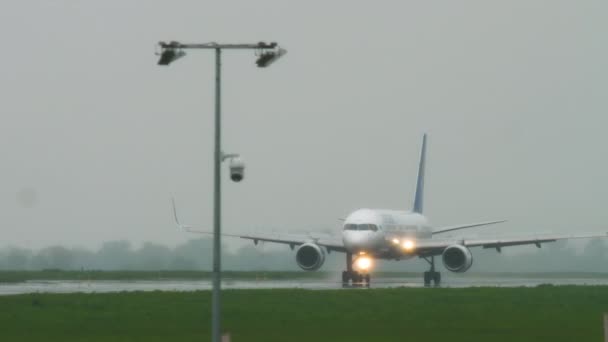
(237,169)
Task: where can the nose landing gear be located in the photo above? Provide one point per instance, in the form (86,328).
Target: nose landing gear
(352,278)
(431,275)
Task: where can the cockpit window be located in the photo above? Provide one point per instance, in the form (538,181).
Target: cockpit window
(371,227)
(350,227)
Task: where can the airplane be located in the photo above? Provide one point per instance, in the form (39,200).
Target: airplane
(372,234)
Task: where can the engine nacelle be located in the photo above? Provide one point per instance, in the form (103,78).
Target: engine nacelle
(457,258)
(310,257)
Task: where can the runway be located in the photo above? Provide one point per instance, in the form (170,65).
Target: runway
(106,286)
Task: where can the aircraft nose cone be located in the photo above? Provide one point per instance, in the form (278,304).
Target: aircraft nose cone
(359,241)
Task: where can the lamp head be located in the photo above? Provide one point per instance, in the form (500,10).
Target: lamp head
(268,57)
(170,52)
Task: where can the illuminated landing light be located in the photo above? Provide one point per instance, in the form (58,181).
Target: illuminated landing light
(362,253)
(408,245)
(364,264)
(396,241)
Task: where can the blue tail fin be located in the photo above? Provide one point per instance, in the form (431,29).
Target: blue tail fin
(419,199)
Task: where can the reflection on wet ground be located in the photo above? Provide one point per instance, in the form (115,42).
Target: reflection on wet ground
(101,286)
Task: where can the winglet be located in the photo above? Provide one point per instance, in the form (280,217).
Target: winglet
(188,228)
(418,200)
(179,225)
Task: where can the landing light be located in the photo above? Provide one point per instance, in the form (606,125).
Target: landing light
(408,245)
(396,241)
(363,263)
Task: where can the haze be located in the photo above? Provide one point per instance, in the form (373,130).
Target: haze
(96,137)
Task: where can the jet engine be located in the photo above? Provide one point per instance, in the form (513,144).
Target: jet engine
(457,258)
(310,257)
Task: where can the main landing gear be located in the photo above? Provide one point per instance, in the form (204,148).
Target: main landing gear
(431,275)
(352,278)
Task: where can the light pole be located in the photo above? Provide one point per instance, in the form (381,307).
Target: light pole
(267,54)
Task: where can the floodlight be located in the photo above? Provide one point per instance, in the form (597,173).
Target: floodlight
(170,55)
(268,57)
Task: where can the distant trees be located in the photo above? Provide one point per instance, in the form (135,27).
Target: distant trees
(197,255)
(193,255)
(16,258)
(115,255)
(153,257)
(55,257)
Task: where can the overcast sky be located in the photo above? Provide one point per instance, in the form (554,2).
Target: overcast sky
(95,136)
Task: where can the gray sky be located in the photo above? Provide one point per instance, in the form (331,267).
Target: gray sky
(95,136)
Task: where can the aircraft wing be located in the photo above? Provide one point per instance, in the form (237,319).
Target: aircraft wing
(464,226)
(331,243)
(436,246)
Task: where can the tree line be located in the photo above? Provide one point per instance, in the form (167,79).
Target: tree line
(196,254)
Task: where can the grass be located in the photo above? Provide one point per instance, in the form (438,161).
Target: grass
(545,313)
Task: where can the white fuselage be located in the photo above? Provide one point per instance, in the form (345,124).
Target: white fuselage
(382,233)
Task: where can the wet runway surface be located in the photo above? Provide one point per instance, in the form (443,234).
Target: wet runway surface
(105,286)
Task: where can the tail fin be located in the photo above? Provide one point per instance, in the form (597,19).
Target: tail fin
(418,200)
